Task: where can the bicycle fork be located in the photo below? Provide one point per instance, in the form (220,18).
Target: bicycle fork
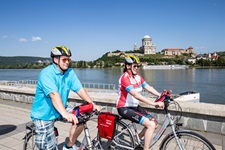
(179,143)
(86,139)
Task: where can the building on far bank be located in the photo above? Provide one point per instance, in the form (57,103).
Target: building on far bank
(178,51)
(192,60)
(147,46)
(208,56)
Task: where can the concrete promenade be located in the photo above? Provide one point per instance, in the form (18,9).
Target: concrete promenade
(14,116)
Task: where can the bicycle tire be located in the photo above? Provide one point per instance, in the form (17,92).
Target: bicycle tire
(123,138)
(190,140)
(29,141)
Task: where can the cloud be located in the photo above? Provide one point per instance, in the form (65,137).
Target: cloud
(36,38)
(23,40)
(5,37)
(200,47)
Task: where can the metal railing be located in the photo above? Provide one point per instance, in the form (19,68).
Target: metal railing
(33,83)
(99,86)
(21,83)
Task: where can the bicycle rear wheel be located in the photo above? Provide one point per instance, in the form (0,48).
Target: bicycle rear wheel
(123,138)
(189,140)
(29,142)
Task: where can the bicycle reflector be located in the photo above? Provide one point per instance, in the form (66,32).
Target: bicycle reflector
(165,94)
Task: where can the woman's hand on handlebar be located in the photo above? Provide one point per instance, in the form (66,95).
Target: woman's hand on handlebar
(159,104)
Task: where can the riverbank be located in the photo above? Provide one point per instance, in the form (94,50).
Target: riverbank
(111,67)
(206,67)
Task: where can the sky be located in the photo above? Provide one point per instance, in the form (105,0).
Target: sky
(91,28)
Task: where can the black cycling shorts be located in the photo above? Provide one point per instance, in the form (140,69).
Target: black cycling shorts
(134,114)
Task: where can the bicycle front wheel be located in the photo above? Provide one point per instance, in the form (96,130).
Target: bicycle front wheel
(29,142)
(123,138)
(189,140)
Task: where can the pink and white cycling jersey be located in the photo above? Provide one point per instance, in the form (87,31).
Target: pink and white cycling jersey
(127,83)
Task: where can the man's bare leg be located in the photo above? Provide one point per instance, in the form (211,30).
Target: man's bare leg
(75,131)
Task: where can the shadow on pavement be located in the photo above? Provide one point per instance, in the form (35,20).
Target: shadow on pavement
(4,129)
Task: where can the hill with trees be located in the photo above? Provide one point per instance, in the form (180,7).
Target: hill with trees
(107,61)
(23,62)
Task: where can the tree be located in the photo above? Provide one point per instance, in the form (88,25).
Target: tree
(91,64)
(203,62)
(81,64)
(219,62)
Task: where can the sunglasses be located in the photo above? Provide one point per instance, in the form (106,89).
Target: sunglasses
(136,66)
(66,59)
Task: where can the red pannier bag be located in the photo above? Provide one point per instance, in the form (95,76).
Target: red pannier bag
(107,124)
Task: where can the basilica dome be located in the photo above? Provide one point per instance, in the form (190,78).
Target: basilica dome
(146,37)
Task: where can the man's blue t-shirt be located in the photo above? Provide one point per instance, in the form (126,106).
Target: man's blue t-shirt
(51,80)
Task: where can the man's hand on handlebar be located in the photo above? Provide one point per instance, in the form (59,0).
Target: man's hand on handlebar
(97,107)
(71,118)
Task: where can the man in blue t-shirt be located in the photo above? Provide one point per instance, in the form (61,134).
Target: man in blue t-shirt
(52,91)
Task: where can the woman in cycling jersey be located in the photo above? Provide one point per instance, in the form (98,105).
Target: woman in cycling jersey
(130,86)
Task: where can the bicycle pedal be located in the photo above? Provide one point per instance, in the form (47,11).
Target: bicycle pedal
(142,142)
(179,124)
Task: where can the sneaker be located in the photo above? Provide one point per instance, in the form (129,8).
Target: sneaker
(74,147)
(138,148)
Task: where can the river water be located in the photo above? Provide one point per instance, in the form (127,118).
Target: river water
(210,83)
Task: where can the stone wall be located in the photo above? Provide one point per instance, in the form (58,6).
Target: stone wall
(195,116)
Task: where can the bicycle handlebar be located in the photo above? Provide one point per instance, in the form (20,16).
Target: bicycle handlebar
(84,117)
(166,99)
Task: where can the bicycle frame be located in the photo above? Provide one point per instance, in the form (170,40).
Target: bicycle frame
(85,142)
(159,133)
(179,139)
(167,121)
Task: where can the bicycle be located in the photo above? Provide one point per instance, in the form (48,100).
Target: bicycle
(87,143)
(126,135)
